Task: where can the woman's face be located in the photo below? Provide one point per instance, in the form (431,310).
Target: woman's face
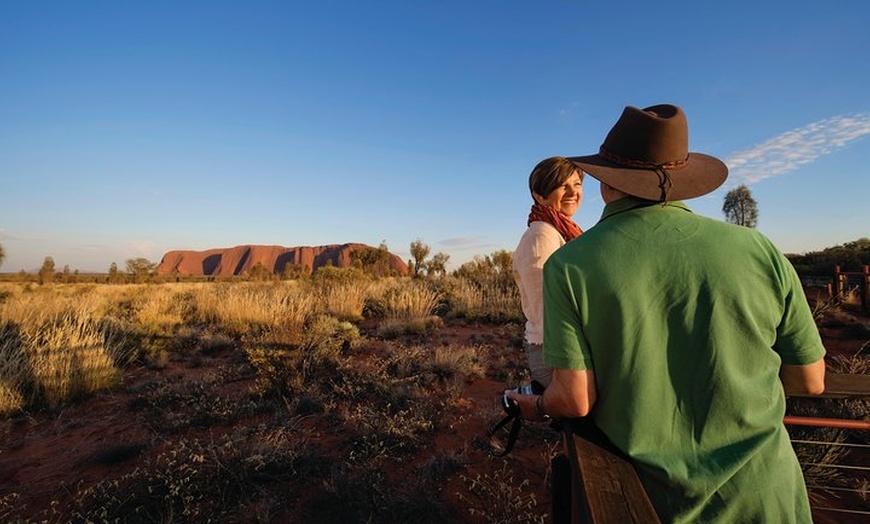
(565,198)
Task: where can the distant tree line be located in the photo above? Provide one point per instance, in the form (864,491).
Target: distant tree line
(495,268)
(851,256)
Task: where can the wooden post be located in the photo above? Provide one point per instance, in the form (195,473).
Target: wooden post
(865,290)
(838,281)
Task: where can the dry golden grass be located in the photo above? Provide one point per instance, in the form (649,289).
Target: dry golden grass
(409,299)
(54,348)
(243,305)
(62,342)
(344,300)
(406,305)
(487,299)
(65,341)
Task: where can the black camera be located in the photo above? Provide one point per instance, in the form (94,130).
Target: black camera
(513,414)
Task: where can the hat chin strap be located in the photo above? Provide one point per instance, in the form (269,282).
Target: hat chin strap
(665,183)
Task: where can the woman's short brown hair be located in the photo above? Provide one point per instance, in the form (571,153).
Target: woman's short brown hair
(551,173)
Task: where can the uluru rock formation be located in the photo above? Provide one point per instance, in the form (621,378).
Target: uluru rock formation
(239,260)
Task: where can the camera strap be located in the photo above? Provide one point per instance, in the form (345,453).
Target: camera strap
(512,436)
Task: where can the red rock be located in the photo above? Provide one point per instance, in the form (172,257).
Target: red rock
(240,259)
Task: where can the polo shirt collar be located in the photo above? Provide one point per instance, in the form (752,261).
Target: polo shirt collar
(628,203)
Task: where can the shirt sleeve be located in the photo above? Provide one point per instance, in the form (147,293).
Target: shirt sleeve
(797,338)
(565,344)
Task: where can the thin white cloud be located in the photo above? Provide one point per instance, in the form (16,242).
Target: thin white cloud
(569,110)
(788,151)
(6,235)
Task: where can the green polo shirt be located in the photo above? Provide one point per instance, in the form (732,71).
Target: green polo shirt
(685,321)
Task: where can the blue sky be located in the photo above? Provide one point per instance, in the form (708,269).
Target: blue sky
(128,129)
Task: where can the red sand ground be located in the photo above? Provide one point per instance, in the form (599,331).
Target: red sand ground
(45,456)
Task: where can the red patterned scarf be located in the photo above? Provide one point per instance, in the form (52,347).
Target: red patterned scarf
(564,225)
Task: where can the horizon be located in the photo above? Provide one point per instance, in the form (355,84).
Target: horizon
(127,131)
(121,266)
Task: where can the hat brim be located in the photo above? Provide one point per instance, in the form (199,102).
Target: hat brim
(700,175)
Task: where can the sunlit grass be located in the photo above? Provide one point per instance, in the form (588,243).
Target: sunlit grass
(406,306)
(487,299)
(241,306)
(54,354)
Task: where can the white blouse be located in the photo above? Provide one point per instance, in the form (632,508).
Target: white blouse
(536,245)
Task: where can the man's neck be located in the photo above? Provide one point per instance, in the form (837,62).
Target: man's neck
(611,194)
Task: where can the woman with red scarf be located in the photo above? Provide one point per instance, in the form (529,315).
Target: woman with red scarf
(556,185)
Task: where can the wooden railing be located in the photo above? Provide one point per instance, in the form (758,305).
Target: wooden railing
(597,484)
(604,487)
(843,279)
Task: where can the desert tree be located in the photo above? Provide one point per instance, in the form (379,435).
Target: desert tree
(502,261)
(294,271)
(2,254)
(113,277)
(740,208)
(496,268)
(260,272)
(46,272)
(419,251)
(372,261)
(438,264)
(140,269)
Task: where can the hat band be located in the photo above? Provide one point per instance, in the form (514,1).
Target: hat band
(665,184)
(632,162)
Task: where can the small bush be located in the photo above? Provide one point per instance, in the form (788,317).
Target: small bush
(196,481)
(499,499)
(304,362)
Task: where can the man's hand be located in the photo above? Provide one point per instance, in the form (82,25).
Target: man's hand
(528,410)
(570,394)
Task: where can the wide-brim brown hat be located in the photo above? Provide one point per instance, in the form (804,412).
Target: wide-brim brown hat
(646,154)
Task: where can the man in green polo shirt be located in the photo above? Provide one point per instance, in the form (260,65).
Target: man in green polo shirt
(677,333)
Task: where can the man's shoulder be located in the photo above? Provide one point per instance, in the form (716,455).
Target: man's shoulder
(610,238)
(572,251)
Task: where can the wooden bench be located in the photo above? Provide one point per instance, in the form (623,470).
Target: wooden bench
(839,385)
(602,485)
